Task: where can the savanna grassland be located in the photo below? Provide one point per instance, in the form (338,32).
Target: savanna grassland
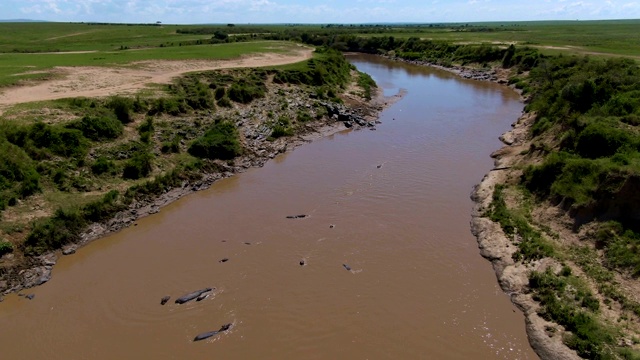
(568,201)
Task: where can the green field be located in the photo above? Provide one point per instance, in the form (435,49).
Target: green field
(619,37)
(19,66)
(51,37)
(27,50)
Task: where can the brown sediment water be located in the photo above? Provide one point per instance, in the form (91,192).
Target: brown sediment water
(392,204)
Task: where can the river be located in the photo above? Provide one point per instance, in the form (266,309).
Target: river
(392,204)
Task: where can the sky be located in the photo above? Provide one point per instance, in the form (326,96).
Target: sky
(315,11)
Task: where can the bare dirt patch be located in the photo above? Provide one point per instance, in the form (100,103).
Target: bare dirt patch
(106,81)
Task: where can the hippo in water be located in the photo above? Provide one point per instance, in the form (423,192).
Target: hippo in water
(209,334)
(302,216)
(191,296)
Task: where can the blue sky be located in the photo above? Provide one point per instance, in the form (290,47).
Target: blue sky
(315,11)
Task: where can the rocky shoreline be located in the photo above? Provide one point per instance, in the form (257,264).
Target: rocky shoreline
(496,247)
(493,244)
(359,114)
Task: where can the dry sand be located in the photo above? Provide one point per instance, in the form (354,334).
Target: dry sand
(105,81)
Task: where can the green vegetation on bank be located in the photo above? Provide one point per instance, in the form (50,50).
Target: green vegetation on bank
(102,154)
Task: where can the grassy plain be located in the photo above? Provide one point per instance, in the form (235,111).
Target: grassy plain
(29,50)
(617,37)
(20,66)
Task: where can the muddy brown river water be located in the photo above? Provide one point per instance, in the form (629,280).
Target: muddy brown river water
(393,204)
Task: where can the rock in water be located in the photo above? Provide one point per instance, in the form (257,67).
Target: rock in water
(164,299)
(191,296)
(30,296)
(302,262)
(69,250)
(224,260)
(347,267)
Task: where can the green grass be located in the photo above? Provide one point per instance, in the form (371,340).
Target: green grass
(532,245)
(13,66)
(619,37)
(50,37)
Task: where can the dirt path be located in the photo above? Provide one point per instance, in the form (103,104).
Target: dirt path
(106,81)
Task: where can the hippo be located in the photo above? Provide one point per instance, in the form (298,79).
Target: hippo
(302,216)
(209,334)
(191,296)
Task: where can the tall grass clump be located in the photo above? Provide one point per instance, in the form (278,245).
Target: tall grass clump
(221,141)
(98,128)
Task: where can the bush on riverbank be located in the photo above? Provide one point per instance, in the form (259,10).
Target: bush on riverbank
(589,105)
(567,301)
(18,175)
(531,245)
(65,225)
(221,141)
(5,247)
(139,165)
(98,128)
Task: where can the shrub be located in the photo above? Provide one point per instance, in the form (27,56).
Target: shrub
(589,337)
(146,129)
(61,229)
(281,127)
(17,170)
(5,247)
(224,102)
(139,165)
(219,93)
(532,245)
(103,208)
(221,141)
(303,116)
(103,165)
(58,140)
(140,105)
(244,92)
(171,147)
(123,108)
(98,128)
(64,226)
(171,106)
(366,83)
(601,140)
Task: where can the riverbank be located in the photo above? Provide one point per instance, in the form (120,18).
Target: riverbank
(494,245)
(325,117)
(545,242)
